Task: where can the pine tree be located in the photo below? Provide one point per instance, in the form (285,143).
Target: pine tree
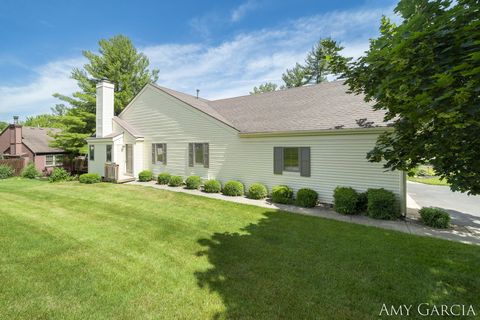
(119,62)
(265,87)
(295,77)
(317,63)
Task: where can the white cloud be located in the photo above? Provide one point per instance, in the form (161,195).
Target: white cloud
(36,97)
(229,69)
(239,12)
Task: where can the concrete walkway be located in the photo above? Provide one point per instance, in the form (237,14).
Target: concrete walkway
(408,226)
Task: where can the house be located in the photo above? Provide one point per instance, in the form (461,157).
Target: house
(314,136)
(31,144)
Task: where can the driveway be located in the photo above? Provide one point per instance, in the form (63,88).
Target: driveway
(464,209)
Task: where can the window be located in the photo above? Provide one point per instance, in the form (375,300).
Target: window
(159,153)
(109,153)
(291,159)
(49,160)
(198,153)
(52,160)
(91,152)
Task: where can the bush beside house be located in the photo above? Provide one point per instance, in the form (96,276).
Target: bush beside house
(257,191)
(163,178)
(435,217)
(282,194)
(212,186)
(89,178)
(382,204)
(233,188)
(59,174)
(345,200)
(6,171)
(307,198)
(31,172)
(193,182)
(175,181)
(145,175)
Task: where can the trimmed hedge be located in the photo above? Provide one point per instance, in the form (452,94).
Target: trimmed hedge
(89,178)
(145,175)
(257,191)
(435,217)
(382,204)
(233,188)
(31,172)
(307,198)
(6,171)
(345,200)
(282,194)
(193,182)
(59,174)
(175,181)
(163,178)
(212,186)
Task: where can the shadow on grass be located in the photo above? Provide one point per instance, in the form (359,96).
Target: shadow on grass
(294,267)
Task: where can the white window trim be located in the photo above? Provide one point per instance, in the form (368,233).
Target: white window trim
(54,160)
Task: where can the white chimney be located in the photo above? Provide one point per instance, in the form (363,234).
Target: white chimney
(105,94)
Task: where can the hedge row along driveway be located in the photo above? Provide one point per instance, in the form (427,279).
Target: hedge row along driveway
(70,250)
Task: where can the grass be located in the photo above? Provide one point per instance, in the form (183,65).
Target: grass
(430,180)
(108,251)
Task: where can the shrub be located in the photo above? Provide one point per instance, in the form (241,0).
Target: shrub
(257,191)
(233,188)
(5,171)
(362,202)
(175,181)
(435,217)
(145,175)
(282,194)
(163,178)
(345,200)
(193,182)
(212,186)
(382,204)
(30,172)
(59,174)
(89,178)
(307,198)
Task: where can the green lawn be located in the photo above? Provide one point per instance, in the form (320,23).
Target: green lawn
(430,180)
(126,252)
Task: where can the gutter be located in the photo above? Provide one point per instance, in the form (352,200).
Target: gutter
(315,132)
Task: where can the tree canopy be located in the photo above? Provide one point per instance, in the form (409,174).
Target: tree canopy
(119,62)
(3,125)
(265,87)
(424,72)
(44,121)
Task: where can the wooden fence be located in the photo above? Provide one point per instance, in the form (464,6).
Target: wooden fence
(17,164)
(76,165)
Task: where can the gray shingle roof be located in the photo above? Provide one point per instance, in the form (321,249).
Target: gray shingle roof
(38,140)
(325,106)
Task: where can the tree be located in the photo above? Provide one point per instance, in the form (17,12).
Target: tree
(295,77)
(317,63)
(120,63)
(425,73)
(3,125)
(44,121)
(266,87)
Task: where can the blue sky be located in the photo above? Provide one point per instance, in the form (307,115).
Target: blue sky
(224,48)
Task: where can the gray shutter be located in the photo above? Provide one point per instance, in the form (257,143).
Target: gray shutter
(190,154)
(305,161)
(153,153)
(206,154)
(165,154)
(277,160)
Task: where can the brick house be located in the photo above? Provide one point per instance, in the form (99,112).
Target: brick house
(32,144)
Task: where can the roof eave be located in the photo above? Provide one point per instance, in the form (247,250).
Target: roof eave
(315,132)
